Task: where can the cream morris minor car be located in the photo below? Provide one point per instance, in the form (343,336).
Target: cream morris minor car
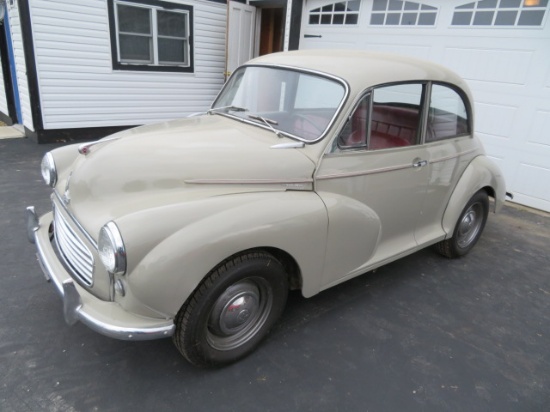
(310,168)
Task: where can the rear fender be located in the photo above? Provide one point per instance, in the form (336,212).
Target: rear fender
(481,173)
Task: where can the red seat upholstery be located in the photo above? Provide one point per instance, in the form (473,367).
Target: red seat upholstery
(393,126)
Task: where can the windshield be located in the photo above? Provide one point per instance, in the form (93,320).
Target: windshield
(297,104)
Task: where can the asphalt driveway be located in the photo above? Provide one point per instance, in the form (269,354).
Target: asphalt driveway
(421,334)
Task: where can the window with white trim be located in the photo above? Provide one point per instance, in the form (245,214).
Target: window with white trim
(501,13)
(343,12)
(151,35)
(402,13)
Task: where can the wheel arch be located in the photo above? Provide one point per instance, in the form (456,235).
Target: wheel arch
(290,226)
(481,174)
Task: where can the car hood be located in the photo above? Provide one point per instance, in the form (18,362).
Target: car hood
(179,161)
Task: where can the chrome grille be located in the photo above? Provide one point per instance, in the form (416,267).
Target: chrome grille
(75,253)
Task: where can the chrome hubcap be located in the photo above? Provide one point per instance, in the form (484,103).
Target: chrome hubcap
(239,313)
(470,225)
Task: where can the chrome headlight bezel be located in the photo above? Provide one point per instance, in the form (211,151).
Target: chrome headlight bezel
(48,170)
(111,249)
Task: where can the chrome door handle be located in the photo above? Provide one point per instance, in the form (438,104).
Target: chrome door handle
(420,163)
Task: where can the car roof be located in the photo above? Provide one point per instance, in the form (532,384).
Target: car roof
(363,69)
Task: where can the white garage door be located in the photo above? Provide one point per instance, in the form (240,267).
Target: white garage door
(501,47)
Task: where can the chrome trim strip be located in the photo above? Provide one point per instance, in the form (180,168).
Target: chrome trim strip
(442,159)
(84,148)
(365,172)
(247,181)
(292,145)
(75,221)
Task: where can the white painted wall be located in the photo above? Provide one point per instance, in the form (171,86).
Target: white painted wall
(20,67)
(79,88)
(508,70)
(3,99)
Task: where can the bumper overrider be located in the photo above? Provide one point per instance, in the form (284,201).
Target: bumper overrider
(104,317)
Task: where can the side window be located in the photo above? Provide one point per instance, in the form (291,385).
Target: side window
(395,116)
(448,116)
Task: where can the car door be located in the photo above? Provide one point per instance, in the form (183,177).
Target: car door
(373,182)
(450,148)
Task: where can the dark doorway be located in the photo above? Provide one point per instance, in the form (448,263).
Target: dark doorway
(272,30)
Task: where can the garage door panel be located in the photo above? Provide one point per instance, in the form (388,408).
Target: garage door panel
(495,120)
(479,64)
(540,131)
(419,51)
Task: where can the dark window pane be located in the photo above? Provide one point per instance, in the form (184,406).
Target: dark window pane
(483,18)
(540,3)
(395,5)
(392,18)
(506,18)
(328,8)
(409,5)
(424,7)
(171,50)
(487,4)
(377,18)
(531,18)
(340,6)
(135,48)
(467,6)
(461,18)
(314,19)
(171,24)
(379,5)
(354,5)
(325,19)
(338,19)
(317,10)
(510,3)
(409,19)
(134,19)
(426,19)
(352,19)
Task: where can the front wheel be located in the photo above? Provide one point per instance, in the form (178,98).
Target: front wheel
(468,228)
(231,310)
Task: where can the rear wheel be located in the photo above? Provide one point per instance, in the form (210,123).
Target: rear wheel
(468,228)
(232,310)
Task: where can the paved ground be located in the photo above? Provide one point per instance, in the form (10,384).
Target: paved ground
(421,334)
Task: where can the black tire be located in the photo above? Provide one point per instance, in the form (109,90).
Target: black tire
(468,228)
(232,310)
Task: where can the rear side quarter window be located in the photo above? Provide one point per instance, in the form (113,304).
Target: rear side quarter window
(448,114)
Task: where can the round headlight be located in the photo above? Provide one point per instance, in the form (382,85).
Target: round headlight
(111,249)
(47,167)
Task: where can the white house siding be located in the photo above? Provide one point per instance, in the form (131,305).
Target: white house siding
(508,71)
(3,99)
(20,67)
(79,88)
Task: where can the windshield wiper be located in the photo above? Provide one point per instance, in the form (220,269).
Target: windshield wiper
(228,108)
(267,122)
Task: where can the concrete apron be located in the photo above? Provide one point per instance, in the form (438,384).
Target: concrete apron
(11,132)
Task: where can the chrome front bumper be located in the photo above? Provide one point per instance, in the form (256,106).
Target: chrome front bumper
(107,318)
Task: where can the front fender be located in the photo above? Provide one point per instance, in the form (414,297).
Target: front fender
(210,230)
(480,173)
